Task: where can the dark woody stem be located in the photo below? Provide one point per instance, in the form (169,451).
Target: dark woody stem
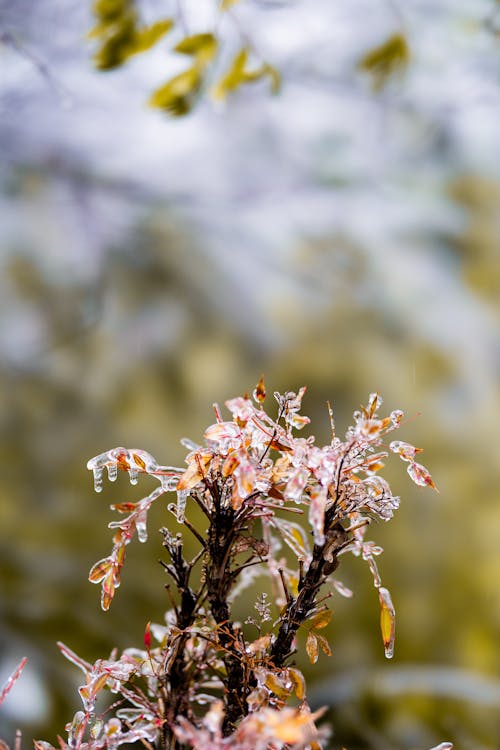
(222,533)
(176,681)
(324,562)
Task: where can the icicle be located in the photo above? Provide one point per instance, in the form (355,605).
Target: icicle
(112,472)
(182,496)
(133,474)
(97,479)
(142,532)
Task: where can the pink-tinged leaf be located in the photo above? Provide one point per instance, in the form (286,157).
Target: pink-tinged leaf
(108,590)
(100,570)
(147,636)
(230,464)
(12,679)
(196,470)
(420,475)
(387,621)
(404,450)
(312,647)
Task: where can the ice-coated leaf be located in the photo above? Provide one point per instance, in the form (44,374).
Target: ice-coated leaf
(323,643)
(196,470)
(259,392)
(7,687)
(343,590)
(420,475)
(257,699)
(74,658)
(404,450)
(294,535)
(100,570)
(374,404)
(298,681)
(317,507)
(321,619)
(443,746)
(387,621)
(277,685)
(312,647)
(296,484)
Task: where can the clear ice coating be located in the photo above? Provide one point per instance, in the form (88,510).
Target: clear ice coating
(133,474)
(97,479)
(112,472)
(182,496)
(142,531)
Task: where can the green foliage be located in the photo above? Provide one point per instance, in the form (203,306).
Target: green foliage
(119,34)
(387,59)
(178,94)
(238,74)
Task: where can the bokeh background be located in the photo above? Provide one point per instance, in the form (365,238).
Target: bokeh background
(344,234)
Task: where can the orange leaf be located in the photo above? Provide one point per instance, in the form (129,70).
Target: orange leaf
(324,645)
(259,393)
(298,681)
(312,647)
(321,619)
(100,570)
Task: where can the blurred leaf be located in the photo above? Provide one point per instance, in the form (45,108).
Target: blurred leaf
(226,4)
(389,58)
(238,75)
(203,47)
(178,94)
(147,37)
(111,10)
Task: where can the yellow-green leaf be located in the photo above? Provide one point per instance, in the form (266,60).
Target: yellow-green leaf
(177,97)
(383,61)
(147,37)
(234,77)
(201,46)
(110,10)
(277,686)
(226,4)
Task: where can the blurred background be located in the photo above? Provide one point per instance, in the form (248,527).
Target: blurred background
(343,234)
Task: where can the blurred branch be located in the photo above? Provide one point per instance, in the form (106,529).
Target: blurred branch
(10,40)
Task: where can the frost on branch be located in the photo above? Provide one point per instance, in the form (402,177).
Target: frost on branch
(272,502)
